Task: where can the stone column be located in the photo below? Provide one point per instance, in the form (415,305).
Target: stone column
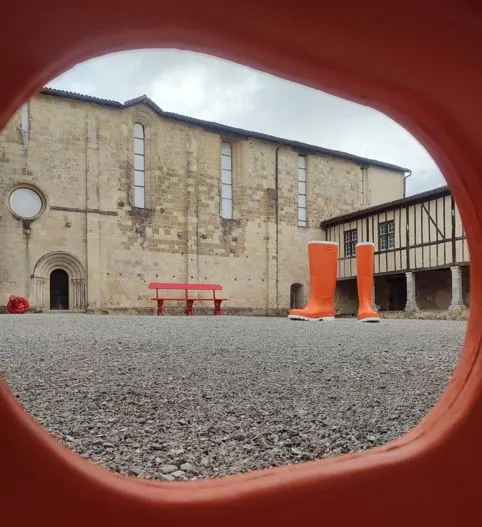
(411,304)
(78,294)
(457,300)
(40,289)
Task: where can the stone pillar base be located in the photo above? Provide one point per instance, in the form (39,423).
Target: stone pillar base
(411,305)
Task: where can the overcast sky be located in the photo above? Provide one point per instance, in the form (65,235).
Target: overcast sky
(208,88)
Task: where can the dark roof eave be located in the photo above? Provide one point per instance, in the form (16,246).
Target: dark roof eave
(410,200)
(222,128)
(81,97)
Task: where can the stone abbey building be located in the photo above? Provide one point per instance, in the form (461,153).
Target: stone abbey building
(99,198)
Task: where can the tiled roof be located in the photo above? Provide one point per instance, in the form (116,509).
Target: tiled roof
(410,200)
(222,128)
(81,97)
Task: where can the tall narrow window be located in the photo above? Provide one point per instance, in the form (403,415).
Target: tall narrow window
(139,173)
(24,120)
(226,181)
(302,222)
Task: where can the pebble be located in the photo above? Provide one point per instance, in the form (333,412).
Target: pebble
(168,469)
(167,477)
(135,471)
(176,451)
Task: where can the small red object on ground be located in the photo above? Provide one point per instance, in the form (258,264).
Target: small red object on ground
(17,304)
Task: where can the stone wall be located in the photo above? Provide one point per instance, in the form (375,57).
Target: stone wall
(391,292)
(434,289)
(381,183)
(346,298)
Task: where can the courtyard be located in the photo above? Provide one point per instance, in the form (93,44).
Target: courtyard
(175,398)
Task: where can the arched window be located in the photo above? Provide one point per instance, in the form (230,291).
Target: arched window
(139,174)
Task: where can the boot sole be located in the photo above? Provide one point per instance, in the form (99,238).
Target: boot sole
(314,319)
(369,319)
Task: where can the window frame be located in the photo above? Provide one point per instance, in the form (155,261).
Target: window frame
(28,186)
(350,243)
(302,211)
(384,238)
(137,169)
(25,118)
(226,181)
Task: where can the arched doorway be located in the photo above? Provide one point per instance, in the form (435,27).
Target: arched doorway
(59,289)
(59,281)
(297,297)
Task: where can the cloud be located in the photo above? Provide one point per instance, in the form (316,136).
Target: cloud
(213,89)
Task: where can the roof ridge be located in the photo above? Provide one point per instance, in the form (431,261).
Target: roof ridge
(309,148)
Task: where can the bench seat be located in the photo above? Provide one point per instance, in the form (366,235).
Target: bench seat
(189,300)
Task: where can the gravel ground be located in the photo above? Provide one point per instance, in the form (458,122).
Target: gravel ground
(174,398)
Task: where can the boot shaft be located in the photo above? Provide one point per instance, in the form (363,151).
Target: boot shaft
(323,263)
(365,268)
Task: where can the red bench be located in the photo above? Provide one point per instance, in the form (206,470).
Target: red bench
(186,298)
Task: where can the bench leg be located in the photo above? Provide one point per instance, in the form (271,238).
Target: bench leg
(217,307)
(160,308)
(189,307)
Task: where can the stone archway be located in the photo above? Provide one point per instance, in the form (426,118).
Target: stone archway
(41,277)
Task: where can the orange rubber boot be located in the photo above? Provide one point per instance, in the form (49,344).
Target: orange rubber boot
(323,261)
(364,259)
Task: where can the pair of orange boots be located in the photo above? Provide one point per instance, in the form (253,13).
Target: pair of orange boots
(323,261)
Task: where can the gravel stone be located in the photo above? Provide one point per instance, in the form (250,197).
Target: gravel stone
(176,451)
(223,394)
(168,469)
(135,471)
(167,477)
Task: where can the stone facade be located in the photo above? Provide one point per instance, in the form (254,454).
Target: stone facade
(78,153)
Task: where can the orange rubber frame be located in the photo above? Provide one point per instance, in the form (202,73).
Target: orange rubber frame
(418,61)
